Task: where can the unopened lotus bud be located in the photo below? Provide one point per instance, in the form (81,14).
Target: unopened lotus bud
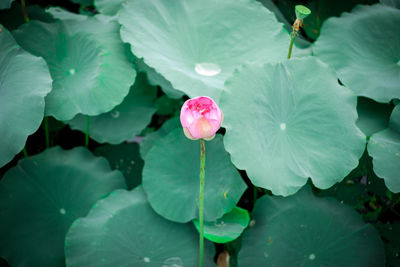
(200,118)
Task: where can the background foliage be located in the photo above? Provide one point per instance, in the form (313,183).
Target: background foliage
(305,170)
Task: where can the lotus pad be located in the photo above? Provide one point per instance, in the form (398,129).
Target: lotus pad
(197,48)
(149,140)
(124,157)
(171,178)
(157,79)
(364,48)
(285,128)
(384,148)
(303,230)
(372,116)
(123,230)
(88,77)
(42,196)
(227,228)
(24,82)
(125,120)
(108,7)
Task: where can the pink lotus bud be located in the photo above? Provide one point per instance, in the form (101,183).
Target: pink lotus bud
(200,118)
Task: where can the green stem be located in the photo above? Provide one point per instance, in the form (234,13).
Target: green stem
(46,131)
(26,153)
(292,36)
(87,132)
(201,204)
(23,5)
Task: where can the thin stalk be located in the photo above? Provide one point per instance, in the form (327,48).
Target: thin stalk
(201,202)
(292,36)
(26,153)
(23,5)
(87,132)
(46,131)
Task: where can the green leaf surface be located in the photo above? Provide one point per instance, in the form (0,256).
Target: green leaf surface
(4,4)
(303,230)
(227,228)
(108,7)
(372,116)
(392,3)
(42,196)
(149,140)
(125,158)
(126,120)
(171,178)
(91,74)
(83,2)
(24,82)
(197,48)
(364,48)
(156,78)
(384,148)
(284,128)
(123,230)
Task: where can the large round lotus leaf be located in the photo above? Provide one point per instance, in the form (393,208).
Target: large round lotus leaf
(149,140)
(124,157)
(171,178)
(303,230)
(372,116)
(157,79)
(384,148)
(197,48)
(42,196)
(123,230)
(364,48)
(91,76)
(227,228)
(24,82)
(292,122)
(125,120)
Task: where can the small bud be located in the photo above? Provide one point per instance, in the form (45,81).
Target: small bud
(302,12)
(200,118)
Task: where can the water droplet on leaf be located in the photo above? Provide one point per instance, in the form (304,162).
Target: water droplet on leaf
(207,69)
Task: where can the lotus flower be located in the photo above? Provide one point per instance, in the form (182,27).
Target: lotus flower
(200,118)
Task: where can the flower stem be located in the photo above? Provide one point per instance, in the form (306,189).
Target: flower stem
(26,155)
(23,5)
(292,36)
(295,30)
(87,132)
(46,131)
(201,204)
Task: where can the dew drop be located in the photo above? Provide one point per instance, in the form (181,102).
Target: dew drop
(63,211)
(115,114)
(312,256)
(207,69)
(173,262)
(252,223)
(146,259)
(283,126)
(72,71)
